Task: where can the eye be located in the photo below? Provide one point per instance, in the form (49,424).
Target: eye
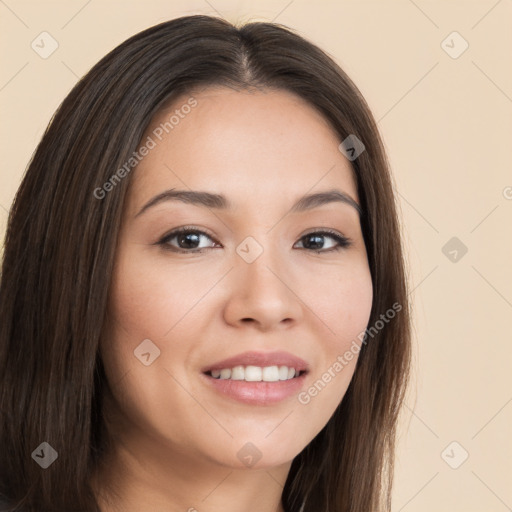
(316,239)
(188,240)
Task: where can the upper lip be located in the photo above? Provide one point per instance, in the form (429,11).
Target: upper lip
(253,358)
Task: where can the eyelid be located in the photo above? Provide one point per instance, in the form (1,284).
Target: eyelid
(328,231)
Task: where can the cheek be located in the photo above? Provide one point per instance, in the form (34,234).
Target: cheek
(343,304)
(342,300)
(151,295)
(158,300)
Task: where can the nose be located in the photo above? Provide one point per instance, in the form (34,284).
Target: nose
(263,293)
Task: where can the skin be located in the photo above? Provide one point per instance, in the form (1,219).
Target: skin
(176,440)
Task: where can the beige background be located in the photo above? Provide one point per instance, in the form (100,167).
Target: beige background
(447,125)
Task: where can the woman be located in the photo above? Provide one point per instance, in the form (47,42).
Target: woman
(203,300)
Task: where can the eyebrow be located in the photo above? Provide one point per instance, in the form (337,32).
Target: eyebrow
(220,202)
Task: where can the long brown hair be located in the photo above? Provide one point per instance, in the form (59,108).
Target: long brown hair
(60,249)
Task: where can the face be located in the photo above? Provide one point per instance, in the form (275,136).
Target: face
(290,286)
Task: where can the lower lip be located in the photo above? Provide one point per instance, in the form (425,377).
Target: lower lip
(257,393)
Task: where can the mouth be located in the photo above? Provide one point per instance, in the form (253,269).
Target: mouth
(256,385)
(257,378)
(251,373)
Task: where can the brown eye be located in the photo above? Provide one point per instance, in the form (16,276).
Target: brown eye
(187,240)
(315,241)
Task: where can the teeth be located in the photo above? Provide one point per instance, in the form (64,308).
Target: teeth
(255,373)
(270,374)
(225,374)
(237,373)
(283,373)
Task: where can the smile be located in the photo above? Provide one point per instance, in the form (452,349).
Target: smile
(256,373)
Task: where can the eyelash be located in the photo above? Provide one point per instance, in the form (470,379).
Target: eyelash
(343,242)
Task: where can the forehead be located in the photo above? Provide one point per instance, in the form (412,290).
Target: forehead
(253,146)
